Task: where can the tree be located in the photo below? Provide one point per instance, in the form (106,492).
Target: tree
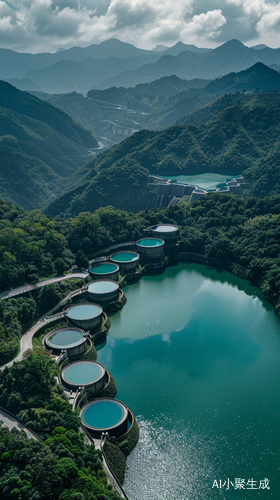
(81,260)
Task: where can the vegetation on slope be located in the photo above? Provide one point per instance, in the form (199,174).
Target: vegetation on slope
(63,467)
(39,146)
(239,139)
(158,104)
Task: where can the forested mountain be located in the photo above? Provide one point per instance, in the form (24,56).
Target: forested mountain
(129,108)
(257,78)
(156,105)
(239,139)
(39,146)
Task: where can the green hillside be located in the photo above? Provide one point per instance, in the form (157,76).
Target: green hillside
(156,105)
(239,139)
(39,147)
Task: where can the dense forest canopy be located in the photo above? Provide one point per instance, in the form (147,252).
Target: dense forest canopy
(40,146)
(242,137)
(63,467)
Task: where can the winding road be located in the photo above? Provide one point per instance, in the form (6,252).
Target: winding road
(49,281)
(26,339)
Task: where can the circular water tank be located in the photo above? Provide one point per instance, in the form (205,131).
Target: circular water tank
(127,261)
(167,231)
(103,291)
(105,415)
(105,271)
(87,316)
(89,374)
(150,248)
(71,339)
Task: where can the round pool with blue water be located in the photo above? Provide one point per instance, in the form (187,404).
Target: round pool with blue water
(150,248)
(103,291)
(150,242)
(105,415)
(84,373)
(127,261)
(85,315)
(66,338)
(124,257)
(72,339)
(106,270)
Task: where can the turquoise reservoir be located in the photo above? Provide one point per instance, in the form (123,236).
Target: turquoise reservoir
(103,414)
(102,286)
(201,351)
(150,242)
(65,339)
(104,269)
(86,311)
(124,257)
(83,372)
(205,181)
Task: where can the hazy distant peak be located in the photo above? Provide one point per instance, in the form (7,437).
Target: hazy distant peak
(259,47)
(234,43)
(160,48)
(60,49)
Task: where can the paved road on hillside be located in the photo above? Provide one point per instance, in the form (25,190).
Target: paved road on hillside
(49,281)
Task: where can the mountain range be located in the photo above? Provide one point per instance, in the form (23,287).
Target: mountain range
(156,105)
(115,63)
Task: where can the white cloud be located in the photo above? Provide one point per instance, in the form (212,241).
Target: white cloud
(205,24)
(46,24)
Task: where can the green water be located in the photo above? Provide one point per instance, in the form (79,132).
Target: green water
(149,242)
(82,373)
(124,257)
(102,286)
(103,414)
(202,180)
(66,338)
(104,269)
(84,312)
(195,354)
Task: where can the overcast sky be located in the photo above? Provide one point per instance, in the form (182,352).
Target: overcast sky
(45,25)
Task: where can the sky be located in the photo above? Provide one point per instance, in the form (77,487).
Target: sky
(45,25)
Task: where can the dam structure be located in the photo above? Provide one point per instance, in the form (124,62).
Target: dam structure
(169,192)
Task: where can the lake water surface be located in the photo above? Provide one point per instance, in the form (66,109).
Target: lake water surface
(205,181)
(195,354)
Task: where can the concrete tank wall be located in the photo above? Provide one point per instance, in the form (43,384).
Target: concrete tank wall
(126,266)
(105,297)
(167,236)
(92,387)
(114,275)
(86,323)
(151,252)
(116,430)
(80,347)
